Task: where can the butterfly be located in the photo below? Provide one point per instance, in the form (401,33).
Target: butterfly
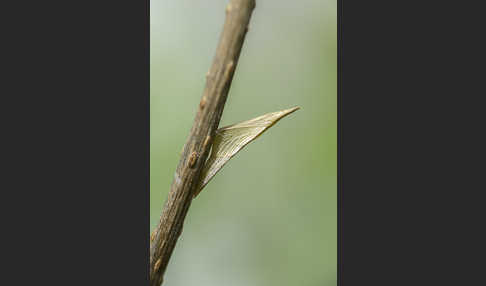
(230,139)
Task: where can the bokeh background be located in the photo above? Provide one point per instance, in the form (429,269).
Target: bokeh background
(269,217)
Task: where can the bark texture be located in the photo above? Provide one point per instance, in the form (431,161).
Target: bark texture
(196,149)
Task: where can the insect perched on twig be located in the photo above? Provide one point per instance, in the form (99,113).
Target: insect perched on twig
(229,140)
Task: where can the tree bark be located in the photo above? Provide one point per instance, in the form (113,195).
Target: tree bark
(196,149)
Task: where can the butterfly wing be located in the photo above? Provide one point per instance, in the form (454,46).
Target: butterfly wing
(231,139)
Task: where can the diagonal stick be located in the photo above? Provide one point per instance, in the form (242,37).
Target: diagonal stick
(196,149)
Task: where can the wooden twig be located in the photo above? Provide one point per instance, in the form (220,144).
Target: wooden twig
(196,149)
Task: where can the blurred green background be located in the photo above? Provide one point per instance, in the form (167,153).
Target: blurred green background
(269,216)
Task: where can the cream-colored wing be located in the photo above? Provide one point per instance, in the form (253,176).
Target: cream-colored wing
(231,139)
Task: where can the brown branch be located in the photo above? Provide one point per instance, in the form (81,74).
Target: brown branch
(196,149)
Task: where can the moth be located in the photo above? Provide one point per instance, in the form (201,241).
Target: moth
(229,140)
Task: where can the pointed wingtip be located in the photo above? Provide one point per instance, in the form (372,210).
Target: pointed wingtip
(281,114)
(290,110)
